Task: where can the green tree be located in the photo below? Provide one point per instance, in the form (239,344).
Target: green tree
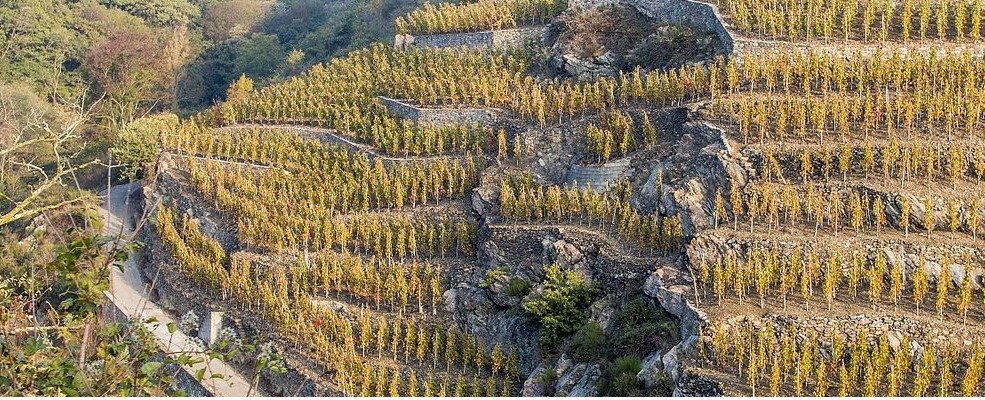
(259,55)
(562,304)
(138,143)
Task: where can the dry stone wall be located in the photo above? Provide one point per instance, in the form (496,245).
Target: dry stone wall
(693,13)
(742,45)
(438,116)
(496,39)
(599,177)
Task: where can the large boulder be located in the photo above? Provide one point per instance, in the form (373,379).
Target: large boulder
(671,287)
(562,252)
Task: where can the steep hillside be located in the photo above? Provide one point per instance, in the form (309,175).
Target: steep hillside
(508,203)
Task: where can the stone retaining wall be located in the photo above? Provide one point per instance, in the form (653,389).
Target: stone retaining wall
(598,177)
(437,116)
(497,39)
(748,46)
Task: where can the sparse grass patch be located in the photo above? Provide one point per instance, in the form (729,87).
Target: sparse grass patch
(518,287)
(587,345)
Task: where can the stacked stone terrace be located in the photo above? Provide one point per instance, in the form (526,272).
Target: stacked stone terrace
(435,116)
(599,177)
(495,39)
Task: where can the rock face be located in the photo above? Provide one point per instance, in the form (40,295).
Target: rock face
(576,380)
(671,287)
(589,42)
(491,323)
(652,370)
(703,163)
(535,385)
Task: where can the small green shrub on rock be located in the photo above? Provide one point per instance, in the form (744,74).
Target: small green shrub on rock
(624,381)
(518,287)
(561,306)
(588,343)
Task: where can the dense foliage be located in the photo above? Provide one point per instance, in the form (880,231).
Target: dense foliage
(561,305)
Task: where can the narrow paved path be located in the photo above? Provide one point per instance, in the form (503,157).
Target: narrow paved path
(129,295)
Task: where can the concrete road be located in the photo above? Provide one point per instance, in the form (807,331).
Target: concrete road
(129,295)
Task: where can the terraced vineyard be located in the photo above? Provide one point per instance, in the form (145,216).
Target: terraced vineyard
(786,223)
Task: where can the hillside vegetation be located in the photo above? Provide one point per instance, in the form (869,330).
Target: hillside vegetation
(793,207)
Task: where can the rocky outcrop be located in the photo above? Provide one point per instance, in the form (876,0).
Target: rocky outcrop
(585,68)
(576,379)
(652,370)
(536,384)
(491,323)
(602,41)
(564,254)
(704,162)
(684,12)
(671,287)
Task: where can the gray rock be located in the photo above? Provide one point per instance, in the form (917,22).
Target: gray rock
(587,385)
(602,312)
(576,380)
(449,300)
(670,287)
(566,254)
(694,386)
(895,338)
(535,386)
(564,363)
(498,295)
(652,370)
(671,363)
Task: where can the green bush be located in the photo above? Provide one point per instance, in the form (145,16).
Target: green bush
(140,142)
(587,344)
(624,381)
(492,275)
(642,329)
(561,306)
(518,287)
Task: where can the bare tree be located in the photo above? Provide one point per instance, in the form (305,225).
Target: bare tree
(43,155)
